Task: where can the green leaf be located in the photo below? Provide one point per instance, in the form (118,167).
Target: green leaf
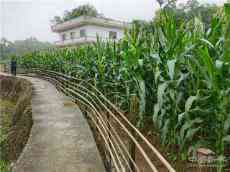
(161,118)
(189,102)
(208,65)
(191,132)
(219,64)
(142,102)
(171,68)
(165,130)
(227,9)
(188,125)
(182,78)
(189,136)
(226,139)
(208,43)
(161,92)
(157,75)
(181,116)
(227,125)
(156,111)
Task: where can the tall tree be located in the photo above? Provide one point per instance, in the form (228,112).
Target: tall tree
(190,9)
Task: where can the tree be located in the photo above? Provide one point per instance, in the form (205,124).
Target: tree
(167,3)
(5,48)
(83,10)
(160,2)
(56,20)
(189,10)
(20,47)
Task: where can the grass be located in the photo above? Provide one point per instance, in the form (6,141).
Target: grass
(4,166)
(6,108)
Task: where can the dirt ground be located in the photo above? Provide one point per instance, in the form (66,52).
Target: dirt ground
(15,116)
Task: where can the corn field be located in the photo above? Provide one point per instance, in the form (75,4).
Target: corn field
(180,73)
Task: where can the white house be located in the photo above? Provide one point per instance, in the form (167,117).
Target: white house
(85,29)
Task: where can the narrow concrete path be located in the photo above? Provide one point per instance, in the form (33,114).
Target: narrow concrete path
(61,140)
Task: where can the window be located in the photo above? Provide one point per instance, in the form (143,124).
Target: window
(72,35)
(63,37)
(82,33)
(112,35)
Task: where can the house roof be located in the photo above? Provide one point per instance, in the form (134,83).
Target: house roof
(86,20)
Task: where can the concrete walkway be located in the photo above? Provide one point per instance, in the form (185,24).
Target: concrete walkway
(61,140)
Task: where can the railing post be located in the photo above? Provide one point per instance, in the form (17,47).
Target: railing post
(133,118)
(66,84)
(109,138)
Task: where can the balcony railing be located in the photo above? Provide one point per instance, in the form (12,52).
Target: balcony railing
(81,40)
(77,40)
(87,20)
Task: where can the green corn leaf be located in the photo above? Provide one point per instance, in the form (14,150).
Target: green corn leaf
(161,37)
(226,32)
(156,57)
(157,75)
(227,9)
(208,65)
(182,78)
(199,27)
(156,111)
(171,68)
(189,136)
(190,102)
(161,92)
(219,64)
(188,124)
(181,116)
(226,139)
(161,118)
(191,132)
(227,125)
(208,43)
(142,101)
(165,130)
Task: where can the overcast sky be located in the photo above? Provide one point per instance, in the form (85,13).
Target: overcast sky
(20,19)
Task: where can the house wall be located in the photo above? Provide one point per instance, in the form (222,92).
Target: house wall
(103,32)
(93,31)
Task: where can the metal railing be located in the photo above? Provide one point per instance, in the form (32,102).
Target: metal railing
(113,129)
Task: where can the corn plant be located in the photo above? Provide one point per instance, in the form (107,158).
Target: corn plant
(180,73)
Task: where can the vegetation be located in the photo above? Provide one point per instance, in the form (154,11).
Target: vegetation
(16,119)
(3,166)
(9,49)
(179,71)
(82,10)
(192,8)
(227,31)
(4,129)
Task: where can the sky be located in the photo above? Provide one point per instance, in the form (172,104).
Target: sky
(21,19)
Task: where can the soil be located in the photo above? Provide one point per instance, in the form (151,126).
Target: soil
(15,117)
